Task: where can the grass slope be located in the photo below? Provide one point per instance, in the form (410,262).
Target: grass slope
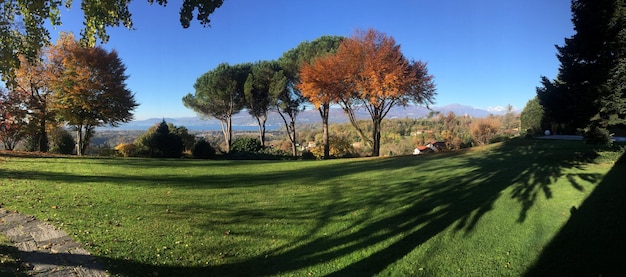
(489,211)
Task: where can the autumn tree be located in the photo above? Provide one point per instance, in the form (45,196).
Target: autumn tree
(23,24)
(369,71)
(322,86)
(484,129)
(90,88)
(32,86)
(13,119)
(220,94)
(287,96)
(257,93)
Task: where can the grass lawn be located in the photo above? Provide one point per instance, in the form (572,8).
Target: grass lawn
(489,211)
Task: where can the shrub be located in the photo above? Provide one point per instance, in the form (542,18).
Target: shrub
(308,155)
(484,129)
(340,147)
(202,149)
(127,149)
(246,144)
(62,142)
(159,142)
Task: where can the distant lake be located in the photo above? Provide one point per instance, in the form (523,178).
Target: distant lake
(207,127)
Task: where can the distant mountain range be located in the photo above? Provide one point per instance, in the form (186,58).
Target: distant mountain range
(243,121)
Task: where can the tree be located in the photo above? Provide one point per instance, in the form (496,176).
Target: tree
(288,102)
(23,24)
(32,87)
(161,142)
(257,93)
(90,88)
(321,85)
(591,62)
(13,119)
(189,140)
(369,71)
(288,98)
(220,94)
(292,96)
(531,118)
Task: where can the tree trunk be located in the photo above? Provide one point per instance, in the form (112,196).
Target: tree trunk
(227,130)
(261,121)
(43,136)
(292,137)
(324,110)
(347,108)
(376,137)
(79,140)
(87,138)
(291,131)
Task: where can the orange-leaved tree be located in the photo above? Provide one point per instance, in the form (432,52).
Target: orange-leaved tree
(90,88)
(32,86)
(379,77)
(321,82)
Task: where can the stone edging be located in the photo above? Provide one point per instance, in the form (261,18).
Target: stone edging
(45,249)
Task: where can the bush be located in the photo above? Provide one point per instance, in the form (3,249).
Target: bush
(308,155)
(127,149)
(340,147)
(62,142)
(159,142)
(202,149)
(484,129)
(245,144)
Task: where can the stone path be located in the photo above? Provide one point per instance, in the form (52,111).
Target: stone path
(46,250)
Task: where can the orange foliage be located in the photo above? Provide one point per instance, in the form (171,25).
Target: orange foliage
(320,81)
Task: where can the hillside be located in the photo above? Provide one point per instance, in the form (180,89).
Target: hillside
(243,121)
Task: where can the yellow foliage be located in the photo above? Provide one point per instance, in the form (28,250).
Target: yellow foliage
(126,149)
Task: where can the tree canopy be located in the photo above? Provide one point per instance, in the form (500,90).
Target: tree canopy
(220,94)
(90,88)
(288,98)
(589,87)
(367,71)
(23,23)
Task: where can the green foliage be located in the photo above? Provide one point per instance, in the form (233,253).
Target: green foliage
(23,24)
(189,140)
(62,141)
(591,76)
(246,144)
(219,93)
(597,135)
(159,142)
(202,149)
(532,117)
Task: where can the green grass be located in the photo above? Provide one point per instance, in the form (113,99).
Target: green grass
(489,211)
(9,259)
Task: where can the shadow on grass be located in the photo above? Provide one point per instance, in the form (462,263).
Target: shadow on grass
(415,209)
(592,242)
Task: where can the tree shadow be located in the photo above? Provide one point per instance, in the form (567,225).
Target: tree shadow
(592,242)
(461,195)
(436,195)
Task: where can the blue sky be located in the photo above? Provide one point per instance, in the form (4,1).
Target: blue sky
(483,53)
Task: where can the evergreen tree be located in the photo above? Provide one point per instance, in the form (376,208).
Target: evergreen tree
(586,86)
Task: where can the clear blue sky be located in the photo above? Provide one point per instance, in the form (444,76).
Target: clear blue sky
(483,53)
